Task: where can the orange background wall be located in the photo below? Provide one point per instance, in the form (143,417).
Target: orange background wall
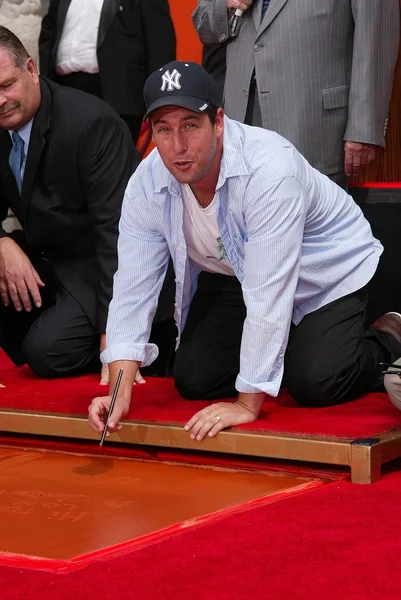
(387,167)
(188,45)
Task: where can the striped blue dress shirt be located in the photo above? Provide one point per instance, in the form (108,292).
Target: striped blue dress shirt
(295,240)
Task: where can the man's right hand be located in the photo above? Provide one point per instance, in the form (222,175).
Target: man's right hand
(99,407)
(18,278)
(241,4)
(98,411)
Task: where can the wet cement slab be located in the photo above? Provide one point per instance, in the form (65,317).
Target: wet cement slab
(59,506)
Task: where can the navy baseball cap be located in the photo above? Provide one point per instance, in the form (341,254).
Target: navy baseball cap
(180,83)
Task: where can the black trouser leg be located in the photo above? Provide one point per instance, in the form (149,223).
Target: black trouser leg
(330,359)
(59,340)
(56,339)
(207,360)
(62,340)
(15,325)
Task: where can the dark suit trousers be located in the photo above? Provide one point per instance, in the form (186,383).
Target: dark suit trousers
(90,83)
(55,340)
(58,339)
(330,358)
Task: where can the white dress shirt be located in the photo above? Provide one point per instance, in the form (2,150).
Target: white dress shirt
(295,240)
(78,44)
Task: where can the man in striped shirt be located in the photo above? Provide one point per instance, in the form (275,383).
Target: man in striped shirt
(272,263)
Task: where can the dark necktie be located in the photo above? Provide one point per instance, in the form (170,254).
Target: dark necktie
(264,7)
(16,158)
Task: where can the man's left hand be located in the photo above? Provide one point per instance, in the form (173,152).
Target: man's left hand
(212,419)
(357,157)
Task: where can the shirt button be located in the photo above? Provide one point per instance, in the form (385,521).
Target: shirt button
(175,304)
(246,93)
(222,38)
(180,248)
(257,47)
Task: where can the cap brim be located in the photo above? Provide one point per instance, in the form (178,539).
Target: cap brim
(193,104)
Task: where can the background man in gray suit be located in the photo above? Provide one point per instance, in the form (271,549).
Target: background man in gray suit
(318,72)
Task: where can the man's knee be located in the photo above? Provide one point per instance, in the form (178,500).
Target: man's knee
(49,357)
(190,384)
(312,388)
(39,354)
(192,380)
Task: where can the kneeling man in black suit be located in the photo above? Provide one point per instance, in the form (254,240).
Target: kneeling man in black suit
(65,160)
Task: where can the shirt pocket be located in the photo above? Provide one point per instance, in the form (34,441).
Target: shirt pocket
(336,97)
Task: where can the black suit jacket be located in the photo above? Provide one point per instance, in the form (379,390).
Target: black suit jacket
(135,38)
(79,161)
(214,62)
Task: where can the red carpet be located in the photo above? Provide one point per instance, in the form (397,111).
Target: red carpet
(5,362)
(158,401)
(342,541)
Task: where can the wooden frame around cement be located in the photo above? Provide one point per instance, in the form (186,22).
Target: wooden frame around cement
(364,456)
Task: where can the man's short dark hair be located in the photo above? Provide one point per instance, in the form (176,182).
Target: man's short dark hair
(211,112)
(11,44)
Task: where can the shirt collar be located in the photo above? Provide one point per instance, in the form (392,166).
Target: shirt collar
(232,161)
(24,132)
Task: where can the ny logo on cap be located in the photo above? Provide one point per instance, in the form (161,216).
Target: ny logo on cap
(171,81)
